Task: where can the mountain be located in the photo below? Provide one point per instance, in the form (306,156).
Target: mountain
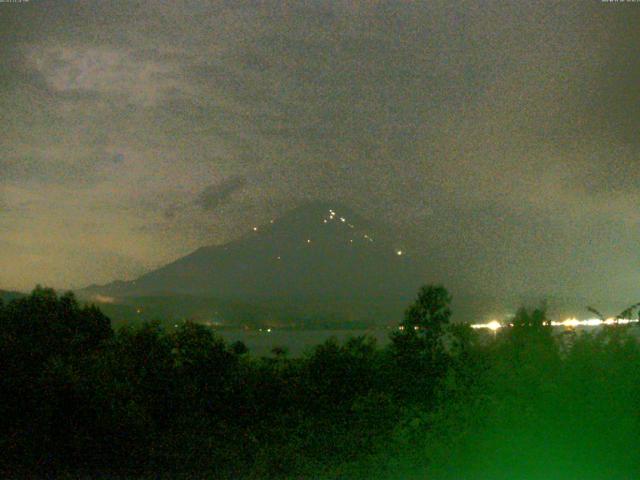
(6,295)
(319,257)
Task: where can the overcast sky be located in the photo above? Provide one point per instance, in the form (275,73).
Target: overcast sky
(497,139)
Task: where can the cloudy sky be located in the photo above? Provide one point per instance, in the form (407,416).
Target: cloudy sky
(499,140)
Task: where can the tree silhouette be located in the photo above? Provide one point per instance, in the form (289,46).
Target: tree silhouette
(239,348)
(418,347)
(280,351)
(626,314)
(81,401)
(430,312)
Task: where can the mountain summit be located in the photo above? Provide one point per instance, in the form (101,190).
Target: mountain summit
(318,253)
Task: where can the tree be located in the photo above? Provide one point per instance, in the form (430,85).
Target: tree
(530,326)
(418,347)
(239,348)
(626,314)
(44,324)
(45,341)
(535,319)
(280,351)
(529,349)
(429,314)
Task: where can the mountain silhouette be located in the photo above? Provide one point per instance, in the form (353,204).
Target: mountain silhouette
(8,295)
(317,254)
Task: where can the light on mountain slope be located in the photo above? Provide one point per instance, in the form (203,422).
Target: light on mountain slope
(333,216)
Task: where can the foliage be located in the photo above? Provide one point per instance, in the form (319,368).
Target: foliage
(441,401)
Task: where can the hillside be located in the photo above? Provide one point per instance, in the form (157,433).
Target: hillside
(319,256)
(7,295)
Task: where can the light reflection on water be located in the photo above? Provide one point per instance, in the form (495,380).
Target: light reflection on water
(297,342)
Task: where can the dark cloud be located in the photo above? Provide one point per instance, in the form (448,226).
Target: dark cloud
(488,133)
(214,195)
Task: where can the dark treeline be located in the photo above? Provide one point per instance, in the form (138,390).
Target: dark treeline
(440,401)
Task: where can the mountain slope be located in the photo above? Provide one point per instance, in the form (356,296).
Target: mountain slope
(318,254)
(6,295)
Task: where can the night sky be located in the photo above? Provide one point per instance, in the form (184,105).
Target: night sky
(497,140)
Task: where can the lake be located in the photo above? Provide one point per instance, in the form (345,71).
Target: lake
(296,341)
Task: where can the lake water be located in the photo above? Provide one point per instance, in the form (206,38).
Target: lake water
(296,341)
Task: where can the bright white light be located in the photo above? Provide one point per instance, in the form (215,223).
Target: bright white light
(567,323)
(255,229)
(493,325)
(342,219)
(592,322)
(399,252)
(571,322)
(308,240)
